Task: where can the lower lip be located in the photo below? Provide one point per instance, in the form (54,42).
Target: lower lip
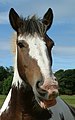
(49,103)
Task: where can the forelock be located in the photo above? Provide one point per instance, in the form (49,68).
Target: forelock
(32,25)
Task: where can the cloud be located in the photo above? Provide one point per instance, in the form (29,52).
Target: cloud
(63,57)
(3,17)
(64,51)
(64,11)
(4,45)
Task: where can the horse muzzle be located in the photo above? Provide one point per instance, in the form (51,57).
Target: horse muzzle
(47,92)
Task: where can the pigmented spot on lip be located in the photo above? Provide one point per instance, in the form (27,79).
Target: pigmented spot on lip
(47,103)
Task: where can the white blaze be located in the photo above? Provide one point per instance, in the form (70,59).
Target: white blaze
(38,51)
(16,79)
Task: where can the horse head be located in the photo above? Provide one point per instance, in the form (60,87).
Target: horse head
(34,60)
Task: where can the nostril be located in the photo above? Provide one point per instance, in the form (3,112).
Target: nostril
(42,92)
(55,79)
(39,83)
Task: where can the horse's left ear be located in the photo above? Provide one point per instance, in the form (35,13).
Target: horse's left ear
(48,18)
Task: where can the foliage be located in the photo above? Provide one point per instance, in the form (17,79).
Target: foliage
(66,81)
(6,75)
(6,85)
(3,73)
(1,89)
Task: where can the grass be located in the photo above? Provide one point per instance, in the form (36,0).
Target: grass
(2,98)
(69,99)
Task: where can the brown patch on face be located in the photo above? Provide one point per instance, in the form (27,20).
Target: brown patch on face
(49,44)
(27,66)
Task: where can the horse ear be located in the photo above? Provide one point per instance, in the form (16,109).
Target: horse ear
(14,19)
(48,18)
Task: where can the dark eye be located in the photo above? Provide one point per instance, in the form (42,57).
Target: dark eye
(20,44)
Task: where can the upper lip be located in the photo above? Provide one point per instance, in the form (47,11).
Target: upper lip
(43,94)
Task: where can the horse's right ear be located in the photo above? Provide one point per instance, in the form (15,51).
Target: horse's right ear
(14,19)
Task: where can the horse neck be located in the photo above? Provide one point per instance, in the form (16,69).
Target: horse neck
(18,105)
(21,92)
(19,99)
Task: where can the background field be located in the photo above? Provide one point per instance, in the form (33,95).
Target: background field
(69,99)
(2,98)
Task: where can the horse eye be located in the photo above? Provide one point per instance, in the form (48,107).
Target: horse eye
(20,44)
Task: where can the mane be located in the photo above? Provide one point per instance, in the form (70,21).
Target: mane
(33,24)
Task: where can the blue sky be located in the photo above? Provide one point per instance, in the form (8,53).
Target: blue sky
(62,30)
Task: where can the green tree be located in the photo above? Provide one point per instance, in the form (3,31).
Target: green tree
(1,87)
(10,70)
(66,81)
(59,74)
(7,85)
(3,73)
(6,75)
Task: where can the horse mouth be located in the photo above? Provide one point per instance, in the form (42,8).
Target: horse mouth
(47,103)
(47,97)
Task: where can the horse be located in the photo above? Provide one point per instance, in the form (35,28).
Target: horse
(34,90)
